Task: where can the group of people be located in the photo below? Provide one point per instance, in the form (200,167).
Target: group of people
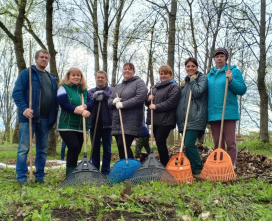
(167,99)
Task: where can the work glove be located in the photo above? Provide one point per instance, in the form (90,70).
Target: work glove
(119,105)
(98,95)
(116,100)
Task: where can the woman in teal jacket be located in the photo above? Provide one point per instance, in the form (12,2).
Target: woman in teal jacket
(216,88)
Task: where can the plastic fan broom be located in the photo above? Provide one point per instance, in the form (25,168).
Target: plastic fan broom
(152,169)
(179,165)
(85,172)
(218,165)
(125,168)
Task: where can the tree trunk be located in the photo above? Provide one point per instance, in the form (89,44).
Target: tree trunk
(96,37)
(171,36)
(53,68)
(264,137)
(192,28)
(116,42)
(219,14)
(19,52)
(105,35)
(171,49)
(150,71)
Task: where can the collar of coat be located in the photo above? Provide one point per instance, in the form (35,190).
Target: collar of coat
(214,70)
(187,78)
(163,84)
(130,80)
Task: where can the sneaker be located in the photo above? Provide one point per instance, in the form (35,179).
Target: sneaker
(22,182)
(41,181)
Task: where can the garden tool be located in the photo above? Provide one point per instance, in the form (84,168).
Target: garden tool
(85,172)
(218,165)
(179,165)
(125,168)
(95,127)
(30,119)
(152,169)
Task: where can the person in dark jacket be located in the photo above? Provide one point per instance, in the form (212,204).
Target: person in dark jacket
(217,78)
(70,123)
(196,82)
(43,113)
(133,93)
(101,93)
(143,141)
(165,96)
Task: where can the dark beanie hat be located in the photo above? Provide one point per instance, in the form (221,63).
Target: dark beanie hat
(221,51)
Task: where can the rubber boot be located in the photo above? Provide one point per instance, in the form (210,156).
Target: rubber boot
(69,170)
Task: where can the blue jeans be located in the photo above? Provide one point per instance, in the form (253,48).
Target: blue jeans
(105,134)
(41,132)
(62,152)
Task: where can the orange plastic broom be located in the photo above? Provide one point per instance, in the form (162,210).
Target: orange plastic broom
(218,165)
(179,165)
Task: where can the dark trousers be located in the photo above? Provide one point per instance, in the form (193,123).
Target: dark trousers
(191,150)
(161,133)
(120,145)
(228,137)
(105,134)
(74,141)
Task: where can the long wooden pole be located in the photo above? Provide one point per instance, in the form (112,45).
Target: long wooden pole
(224,103)
(30,119)
(123,133)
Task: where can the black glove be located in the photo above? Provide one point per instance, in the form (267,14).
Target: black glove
(98,95)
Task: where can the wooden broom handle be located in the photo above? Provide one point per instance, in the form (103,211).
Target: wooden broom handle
(30,119)
(84,126)
(123,134)
(186,120)
(224,103)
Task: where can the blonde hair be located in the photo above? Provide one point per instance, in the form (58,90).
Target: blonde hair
(66,80)
(166,69)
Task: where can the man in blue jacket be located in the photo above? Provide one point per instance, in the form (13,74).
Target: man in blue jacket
(101,93)
(43,113)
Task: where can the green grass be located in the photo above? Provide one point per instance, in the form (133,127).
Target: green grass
(252,146)
(155,201)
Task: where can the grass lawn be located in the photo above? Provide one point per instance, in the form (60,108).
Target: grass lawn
(153,201)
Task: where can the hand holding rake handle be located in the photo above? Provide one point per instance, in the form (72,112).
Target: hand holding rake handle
(224,103)
(123,134)
(185,126)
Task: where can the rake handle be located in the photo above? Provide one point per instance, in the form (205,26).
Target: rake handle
(123,134)
(152,136)
(95,128)
(185,125)
(224,103)
(30,119)
(84,127)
